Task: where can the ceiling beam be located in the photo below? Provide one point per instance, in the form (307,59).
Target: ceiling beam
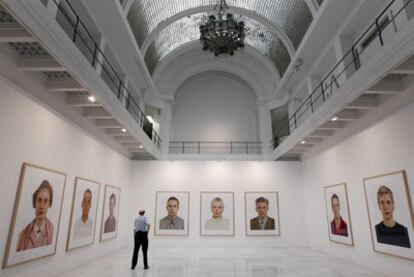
(39,64)
(365,102)
(386,86)
(96,113)
(124,138)
(313,140)
(13,32)
(79,101)
(348,115)
(332,125)
(321,134)
(131,144)
(68,84)
(107,123)
(117,132)
(406,68)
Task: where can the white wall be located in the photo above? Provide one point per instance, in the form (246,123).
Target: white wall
(30,133)
(215,107)
(149,177)
(383,148)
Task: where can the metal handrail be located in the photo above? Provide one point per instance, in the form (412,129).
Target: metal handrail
(122,94)
(227,147)
(320,90)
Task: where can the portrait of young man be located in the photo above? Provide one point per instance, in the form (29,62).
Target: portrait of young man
(39,232)
(262,221)
(84,225)
(338,225)
(389,231)
(110,222)
(172,221)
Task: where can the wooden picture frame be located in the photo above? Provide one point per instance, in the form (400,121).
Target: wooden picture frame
(95,196)
(161,198)
(108,231)
(378,190)
(274,213)
(50,192)
(340,193)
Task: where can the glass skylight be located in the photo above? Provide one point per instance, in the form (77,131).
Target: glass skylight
(186,30)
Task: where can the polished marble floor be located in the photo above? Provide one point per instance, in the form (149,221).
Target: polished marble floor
(223,263)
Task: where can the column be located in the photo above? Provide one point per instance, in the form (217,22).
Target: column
(265,126)
(165,128)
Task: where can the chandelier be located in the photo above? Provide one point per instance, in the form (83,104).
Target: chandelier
(222,34)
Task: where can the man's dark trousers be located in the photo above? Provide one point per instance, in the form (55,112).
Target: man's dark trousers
(141,239)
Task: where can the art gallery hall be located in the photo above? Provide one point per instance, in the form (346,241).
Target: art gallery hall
(195,138)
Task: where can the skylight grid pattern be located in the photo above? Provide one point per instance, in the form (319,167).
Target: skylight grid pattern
(186,30)
(268,43)
(176,34)
(292,16)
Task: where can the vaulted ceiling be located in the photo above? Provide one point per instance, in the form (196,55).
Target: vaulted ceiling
(275,28)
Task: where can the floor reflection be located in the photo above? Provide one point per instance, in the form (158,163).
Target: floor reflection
(223,263)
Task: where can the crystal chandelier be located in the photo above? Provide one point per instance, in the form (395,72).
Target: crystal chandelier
(222,34)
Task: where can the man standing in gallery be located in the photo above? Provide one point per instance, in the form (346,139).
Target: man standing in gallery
(172,220)
(141,229)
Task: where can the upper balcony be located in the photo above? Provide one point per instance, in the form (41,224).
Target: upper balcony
(58,45)
(374,69)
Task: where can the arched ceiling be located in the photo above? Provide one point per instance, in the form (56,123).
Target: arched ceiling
(262,18)
(259,37)
(189,60)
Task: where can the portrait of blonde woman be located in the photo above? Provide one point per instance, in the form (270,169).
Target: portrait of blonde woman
(217,221)
(217,214)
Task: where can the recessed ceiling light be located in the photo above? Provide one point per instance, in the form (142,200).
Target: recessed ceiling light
(92,98)
(150,119)
(124,130)
(141,146)
(335,118)
(303,142)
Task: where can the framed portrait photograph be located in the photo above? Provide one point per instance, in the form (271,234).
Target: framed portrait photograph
(84,213)
(172,213)
(390,214)
(110,213)
(338,215)
(217,214)
(35,223)
(262,213)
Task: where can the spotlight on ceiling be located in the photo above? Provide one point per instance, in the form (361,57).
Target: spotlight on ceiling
(92,98)
(124,130)
(140,146)
(150,119)
(303,142)
(335,118)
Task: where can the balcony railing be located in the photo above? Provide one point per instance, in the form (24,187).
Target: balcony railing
(87,44)
(216,148)
(377,34)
